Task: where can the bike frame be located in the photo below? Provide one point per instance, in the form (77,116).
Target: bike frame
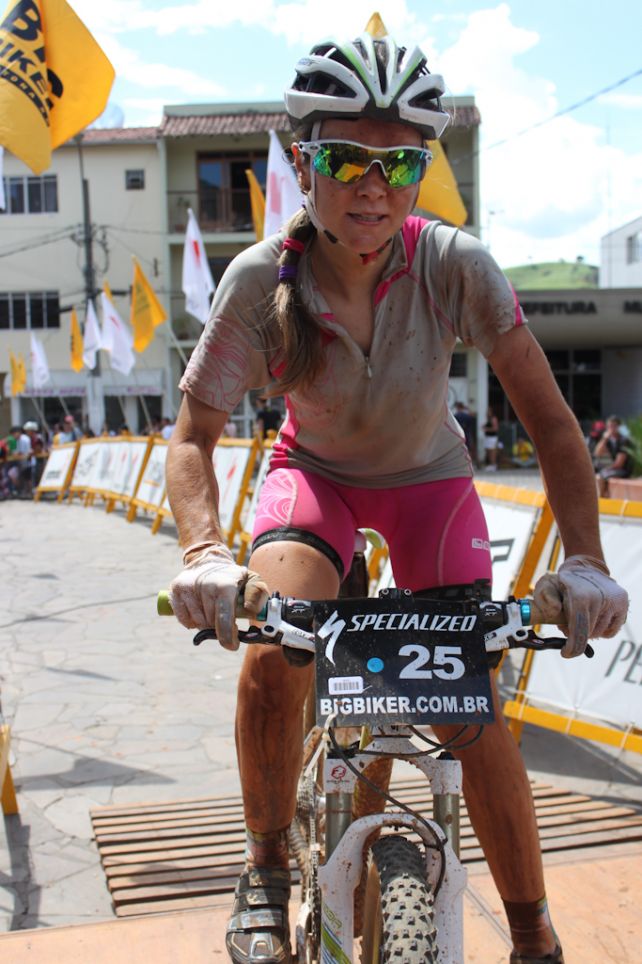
(345,840)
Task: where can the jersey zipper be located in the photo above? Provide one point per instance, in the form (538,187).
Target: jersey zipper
(366,359)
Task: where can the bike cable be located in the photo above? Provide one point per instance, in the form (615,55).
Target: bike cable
(450,744)
(438,844)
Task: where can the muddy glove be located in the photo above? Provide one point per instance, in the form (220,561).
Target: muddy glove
(583,600)
(204,594)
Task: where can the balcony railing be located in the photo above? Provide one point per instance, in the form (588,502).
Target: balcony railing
(217,209)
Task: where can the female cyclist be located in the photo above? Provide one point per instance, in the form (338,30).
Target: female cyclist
(353,313)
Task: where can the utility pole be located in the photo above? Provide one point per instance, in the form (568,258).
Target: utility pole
(95,397)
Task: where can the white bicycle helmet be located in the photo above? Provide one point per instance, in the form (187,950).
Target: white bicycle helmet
(367,77)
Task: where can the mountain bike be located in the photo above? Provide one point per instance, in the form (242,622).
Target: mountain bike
(390,666)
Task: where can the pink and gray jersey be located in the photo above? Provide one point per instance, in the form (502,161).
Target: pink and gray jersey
(375,421)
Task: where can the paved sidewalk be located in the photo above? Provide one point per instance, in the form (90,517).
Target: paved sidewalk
(109,704)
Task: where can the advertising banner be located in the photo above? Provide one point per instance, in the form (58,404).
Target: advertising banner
(609,686)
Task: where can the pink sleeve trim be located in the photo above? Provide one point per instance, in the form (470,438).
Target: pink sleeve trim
(519,314)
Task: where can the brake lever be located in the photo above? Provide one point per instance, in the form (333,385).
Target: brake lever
(252,635)
(551,642)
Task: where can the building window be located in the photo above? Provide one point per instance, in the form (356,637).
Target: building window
(20,310)
(224,192)
(31,195)
(634,248)
(135,180)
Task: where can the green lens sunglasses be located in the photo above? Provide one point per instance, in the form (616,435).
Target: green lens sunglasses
(347,161)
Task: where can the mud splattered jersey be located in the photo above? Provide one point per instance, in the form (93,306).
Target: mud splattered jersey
(378,420)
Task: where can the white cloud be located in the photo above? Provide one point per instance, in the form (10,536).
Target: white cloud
(545,193)
(144,111)
(628,101)
(132,68)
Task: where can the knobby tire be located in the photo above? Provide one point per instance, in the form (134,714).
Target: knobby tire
(401,907)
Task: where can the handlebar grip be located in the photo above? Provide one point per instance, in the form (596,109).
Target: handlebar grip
(163,604)
(164,607)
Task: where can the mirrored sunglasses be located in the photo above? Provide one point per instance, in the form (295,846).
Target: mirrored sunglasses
(347,161)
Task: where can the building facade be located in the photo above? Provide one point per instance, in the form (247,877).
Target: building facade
(43,270)
(621,256)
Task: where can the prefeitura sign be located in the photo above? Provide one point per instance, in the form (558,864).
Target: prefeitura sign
(400,660)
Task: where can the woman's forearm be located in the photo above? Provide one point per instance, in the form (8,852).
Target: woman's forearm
(569,480)
(191,484)
(193,493)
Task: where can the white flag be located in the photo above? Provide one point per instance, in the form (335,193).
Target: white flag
(39,365)
(198,283)
(116,337)
(91,337)
(282,195)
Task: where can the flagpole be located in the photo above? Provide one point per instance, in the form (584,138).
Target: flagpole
(40,411)
(61,397)
(95,397)
(169,398)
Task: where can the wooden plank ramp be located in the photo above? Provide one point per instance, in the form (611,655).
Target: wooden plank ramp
(187,854)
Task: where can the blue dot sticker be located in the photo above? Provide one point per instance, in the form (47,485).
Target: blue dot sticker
(375,665)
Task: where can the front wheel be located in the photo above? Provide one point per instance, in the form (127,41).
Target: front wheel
(398,914)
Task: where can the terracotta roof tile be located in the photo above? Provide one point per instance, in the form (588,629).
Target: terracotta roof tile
(255,122)
(119,135)
(242,122)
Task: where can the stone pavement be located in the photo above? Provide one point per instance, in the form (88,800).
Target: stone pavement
(110,704)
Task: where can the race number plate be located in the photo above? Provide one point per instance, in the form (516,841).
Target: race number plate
(403,661)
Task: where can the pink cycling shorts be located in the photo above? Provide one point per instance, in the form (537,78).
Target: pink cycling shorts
(436,531)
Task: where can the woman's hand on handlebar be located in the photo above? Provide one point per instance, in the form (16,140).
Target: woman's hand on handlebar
(583,600)
(205,593)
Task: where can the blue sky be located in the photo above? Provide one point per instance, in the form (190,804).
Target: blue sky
(547,194)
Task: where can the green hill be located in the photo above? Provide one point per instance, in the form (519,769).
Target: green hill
(552,274)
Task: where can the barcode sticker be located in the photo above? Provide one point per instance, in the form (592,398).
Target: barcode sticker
(345,684)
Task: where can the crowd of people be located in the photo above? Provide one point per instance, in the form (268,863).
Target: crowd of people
(23,452)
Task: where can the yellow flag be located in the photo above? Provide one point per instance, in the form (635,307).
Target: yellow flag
(147,312)
(376,27)
(438,192)
(257,201)
(76,343)
(18,374)
(54,79)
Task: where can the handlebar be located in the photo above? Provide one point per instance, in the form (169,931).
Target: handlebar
(289,622)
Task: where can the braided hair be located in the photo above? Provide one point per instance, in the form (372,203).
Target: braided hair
(301,342)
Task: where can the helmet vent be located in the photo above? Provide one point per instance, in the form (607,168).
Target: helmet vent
(381,56)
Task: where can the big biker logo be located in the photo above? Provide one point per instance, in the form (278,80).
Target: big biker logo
(22,58)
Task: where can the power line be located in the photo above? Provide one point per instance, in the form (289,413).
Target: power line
(60,235)
(547,120)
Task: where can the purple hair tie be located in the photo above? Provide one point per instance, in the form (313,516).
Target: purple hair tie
(287,272)
(293,244)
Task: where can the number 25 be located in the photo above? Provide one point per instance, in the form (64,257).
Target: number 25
(446,658)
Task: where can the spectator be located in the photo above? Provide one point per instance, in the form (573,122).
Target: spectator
(38,449)
(268,419)
(22,471)
(167,427)
(594,436)
(615,446)
(491,440)
(229,431)
(468,424)
(70,431)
